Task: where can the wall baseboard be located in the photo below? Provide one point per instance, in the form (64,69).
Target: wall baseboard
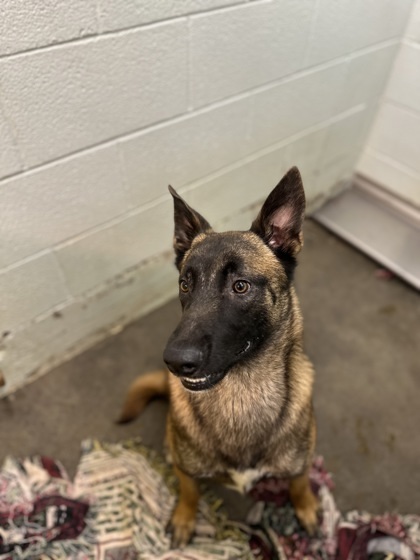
(378,223)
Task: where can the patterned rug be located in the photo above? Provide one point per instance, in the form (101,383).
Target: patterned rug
(122,497)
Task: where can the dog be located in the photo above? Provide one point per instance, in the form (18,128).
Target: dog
(240,385)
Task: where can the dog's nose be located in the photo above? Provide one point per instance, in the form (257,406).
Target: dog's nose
(183,361)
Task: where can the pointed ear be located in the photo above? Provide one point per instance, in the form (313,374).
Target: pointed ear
(279,222)
(188,224)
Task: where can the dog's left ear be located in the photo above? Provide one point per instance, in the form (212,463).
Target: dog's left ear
(188,224)
(279,222)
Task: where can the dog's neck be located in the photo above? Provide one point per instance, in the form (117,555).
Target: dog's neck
(253,391)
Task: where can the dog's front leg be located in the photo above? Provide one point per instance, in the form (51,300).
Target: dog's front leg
(182,523)
(305,502)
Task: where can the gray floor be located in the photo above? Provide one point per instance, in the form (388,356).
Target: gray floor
(363,335)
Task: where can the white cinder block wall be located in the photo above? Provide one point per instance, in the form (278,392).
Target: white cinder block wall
(105,102)
(392,153)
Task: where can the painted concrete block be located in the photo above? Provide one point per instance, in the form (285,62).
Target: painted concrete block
(29,290)
(413,30)
(10,161)
(367,75)
(245,47)
(346,26)
(391,174)
(47,206)
(26,25)
(404,84)
(111,86)
(91,260)
(120,14)
(403,147)
(186,150)
(296,104)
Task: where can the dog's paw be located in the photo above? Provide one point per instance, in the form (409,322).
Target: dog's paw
(181,527)
(307,514)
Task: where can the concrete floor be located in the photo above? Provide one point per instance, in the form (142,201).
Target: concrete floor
(362,333)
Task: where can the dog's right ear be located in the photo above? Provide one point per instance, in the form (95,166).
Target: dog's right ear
(188,224)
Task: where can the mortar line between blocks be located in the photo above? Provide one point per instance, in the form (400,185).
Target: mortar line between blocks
(90,38)
(62,273)
(215,174)
(311,31)
(408,42)
(272,147)
(191,186)
(131,28)
(402,106)
(160,259)
(198,111)
(190,106)
(14,135)
(25,260)
(122,173)
(386,158)
(98,16)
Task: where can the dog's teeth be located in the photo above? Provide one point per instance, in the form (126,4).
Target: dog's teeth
(189,380)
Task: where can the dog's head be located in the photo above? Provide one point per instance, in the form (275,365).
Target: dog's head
(233,286)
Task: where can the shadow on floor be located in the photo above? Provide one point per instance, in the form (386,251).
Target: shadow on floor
(362,335)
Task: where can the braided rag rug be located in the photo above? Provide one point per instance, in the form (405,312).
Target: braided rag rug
(122,497)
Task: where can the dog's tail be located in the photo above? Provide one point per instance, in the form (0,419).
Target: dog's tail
(143,389)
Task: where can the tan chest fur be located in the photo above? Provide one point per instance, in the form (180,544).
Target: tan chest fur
(238,428)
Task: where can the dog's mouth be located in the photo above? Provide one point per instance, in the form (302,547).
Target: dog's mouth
(202,383)
(245,349)
(209,381)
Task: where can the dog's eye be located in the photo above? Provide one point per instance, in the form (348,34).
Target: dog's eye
(183,285)
(241,287)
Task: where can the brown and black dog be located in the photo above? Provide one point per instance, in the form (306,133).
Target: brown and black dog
(241,386)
